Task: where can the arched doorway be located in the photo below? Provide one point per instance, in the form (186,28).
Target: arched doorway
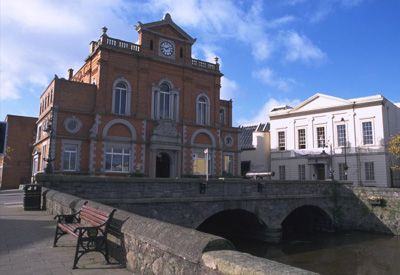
(163,163)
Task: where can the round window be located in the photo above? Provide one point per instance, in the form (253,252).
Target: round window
(228,141)
(73,124)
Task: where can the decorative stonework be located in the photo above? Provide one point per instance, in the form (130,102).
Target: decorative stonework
(166,131)
(72,124)
(228,140)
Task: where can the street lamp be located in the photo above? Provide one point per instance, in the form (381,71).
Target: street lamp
(49,130)
(345,167)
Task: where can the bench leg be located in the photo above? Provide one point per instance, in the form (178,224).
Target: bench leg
(76,258)
(58,235)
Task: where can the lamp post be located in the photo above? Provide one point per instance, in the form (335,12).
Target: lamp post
(345,167)
(49,130)
(331,176)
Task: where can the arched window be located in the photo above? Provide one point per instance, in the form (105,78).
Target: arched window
(203,110)
(121,97)
(164,101)
(151,44)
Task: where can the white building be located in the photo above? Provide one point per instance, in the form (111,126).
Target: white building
(324,135)
(255,145)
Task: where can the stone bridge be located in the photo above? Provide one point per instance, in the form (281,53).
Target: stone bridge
(254,208)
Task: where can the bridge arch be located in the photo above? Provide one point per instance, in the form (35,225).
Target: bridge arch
(306,219)
(234,224)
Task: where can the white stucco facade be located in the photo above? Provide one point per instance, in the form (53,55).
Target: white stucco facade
(308,141)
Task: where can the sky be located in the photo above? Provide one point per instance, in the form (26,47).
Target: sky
(271,52)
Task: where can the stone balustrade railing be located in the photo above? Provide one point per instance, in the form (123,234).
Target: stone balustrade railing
(132,47)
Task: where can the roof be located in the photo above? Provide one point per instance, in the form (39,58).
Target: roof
(246,137)
(320,102)
(166,20)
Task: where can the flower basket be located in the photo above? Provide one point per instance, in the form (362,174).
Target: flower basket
(373,200)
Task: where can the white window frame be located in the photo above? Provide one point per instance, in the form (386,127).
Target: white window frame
(298,137)
(222,115)
(279,140)
(126,151)
(199,155)
(128,96)
(230,164)
(339,141)
(203,110)
(372,132)
(77,145)
(320,142)
(173,98)
(369,171)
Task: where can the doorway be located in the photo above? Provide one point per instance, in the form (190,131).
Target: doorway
(163,163)
(320,171)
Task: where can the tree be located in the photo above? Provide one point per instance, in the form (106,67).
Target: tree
(394,148)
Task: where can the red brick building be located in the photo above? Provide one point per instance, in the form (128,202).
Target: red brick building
(146,108)
(15,166)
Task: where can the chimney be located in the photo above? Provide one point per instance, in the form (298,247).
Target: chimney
(71,73)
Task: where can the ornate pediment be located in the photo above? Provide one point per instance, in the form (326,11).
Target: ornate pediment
(166,131)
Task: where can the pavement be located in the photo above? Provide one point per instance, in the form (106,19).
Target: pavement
(26,244)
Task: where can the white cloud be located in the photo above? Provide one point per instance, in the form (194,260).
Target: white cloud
(269,77)
(262,115)
(300,48)
(229,89)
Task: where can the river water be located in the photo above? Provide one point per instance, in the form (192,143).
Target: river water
(332,254)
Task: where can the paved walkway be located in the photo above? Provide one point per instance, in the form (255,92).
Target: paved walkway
(26,239)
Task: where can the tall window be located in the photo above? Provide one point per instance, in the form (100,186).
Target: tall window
(367,133)
(199,164)
(282,172)
(69,157)
(369,171)
(44,156)
(39,133)
(120,99)
(222,116)
(321,137)
(342,172)
(302,172)
(228,164)
(282,141)
(341,132)
(117,159)
(202,111)
(164,101)
(302,138)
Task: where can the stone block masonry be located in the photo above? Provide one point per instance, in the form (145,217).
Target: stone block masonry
(148,246)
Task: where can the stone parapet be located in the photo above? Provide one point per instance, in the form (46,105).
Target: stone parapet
(148,246)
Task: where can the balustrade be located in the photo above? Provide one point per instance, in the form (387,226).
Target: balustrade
(105,40)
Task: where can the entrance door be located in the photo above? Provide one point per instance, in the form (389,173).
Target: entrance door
(320,171)
(162,166)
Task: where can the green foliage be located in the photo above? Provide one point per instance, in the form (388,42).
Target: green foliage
(394,148)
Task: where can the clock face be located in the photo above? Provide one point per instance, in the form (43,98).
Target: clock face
(167,48)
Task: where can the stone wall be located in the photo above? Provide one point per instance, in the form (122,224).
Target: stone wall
(371,209)
(148,246)
(189,202)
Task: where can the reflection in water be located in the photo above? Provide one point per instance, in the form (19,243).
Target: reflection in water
(353,253)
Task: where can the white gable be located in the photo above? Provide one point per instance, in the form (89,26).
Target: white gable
(320,101)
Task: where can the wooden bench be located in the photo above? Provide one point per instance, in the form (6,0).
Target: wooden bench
(89,226)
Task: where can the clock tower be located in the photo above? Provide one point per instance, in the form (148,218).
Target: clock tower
(165,39)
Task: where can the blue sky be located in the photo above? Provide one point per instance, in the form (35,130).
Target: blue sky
(271,52)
